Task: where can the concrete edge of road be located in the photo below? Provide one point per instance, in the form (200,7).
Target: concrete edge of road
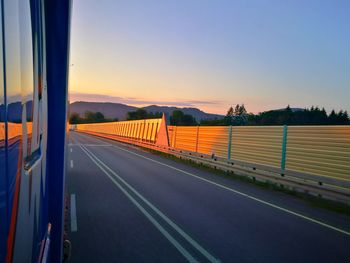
(271,205)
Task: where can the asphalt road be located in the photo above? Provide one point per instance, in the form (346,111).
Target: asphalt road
(128,205)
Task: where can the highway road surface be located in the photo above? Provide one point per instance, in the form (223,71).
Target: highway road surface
(129,205)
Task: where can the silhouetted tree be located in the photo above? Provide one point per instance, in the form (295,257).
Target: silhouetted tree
(287,116)
(332,119)
(178,118)
(240,116)
(89,117)
(74,118)
(342,117)
(141,114)
(230,112)
(241,110)
(94,117)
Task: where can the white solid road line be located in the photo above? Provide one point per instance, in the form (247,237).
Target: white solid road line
(168,236)
(164,217)
(73,214)
(243,194)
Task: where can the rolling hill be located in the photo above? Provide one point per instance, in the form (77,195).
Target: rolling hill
(119,110)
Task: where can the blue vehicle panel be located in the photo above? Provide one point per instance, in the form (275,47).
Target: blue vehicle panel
(34,72)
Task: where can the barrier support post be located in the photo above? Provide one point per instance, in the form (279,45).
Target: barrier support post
(284,147)
(197,138)
(229,143)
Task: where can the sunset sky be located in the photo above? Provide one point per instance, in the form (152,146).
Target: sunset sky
(212,54)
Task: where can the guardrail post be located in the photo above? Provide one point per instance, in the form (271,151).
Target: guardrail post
(197,138)
(229,143)
(175,134)
(284,147)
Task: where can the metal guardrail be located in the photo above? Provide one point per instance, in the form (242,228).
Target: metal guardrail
(319,150)
(323,150)
(315,159)
(145,130)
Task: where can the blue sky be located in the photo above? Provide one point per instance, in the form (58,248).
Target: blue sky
(212,54)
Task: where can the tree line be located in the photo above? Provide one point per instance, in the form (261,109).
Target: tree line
(235,116)
(89,117)
(287,116)
(141,114)
(176,118)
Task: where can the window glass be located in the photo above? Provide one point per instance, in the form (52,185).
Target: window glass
(3,206)
(19,103)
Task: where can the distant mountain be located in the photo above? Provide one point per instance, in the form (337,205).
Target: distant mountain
(108,109)
(198,114)
(120,111)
